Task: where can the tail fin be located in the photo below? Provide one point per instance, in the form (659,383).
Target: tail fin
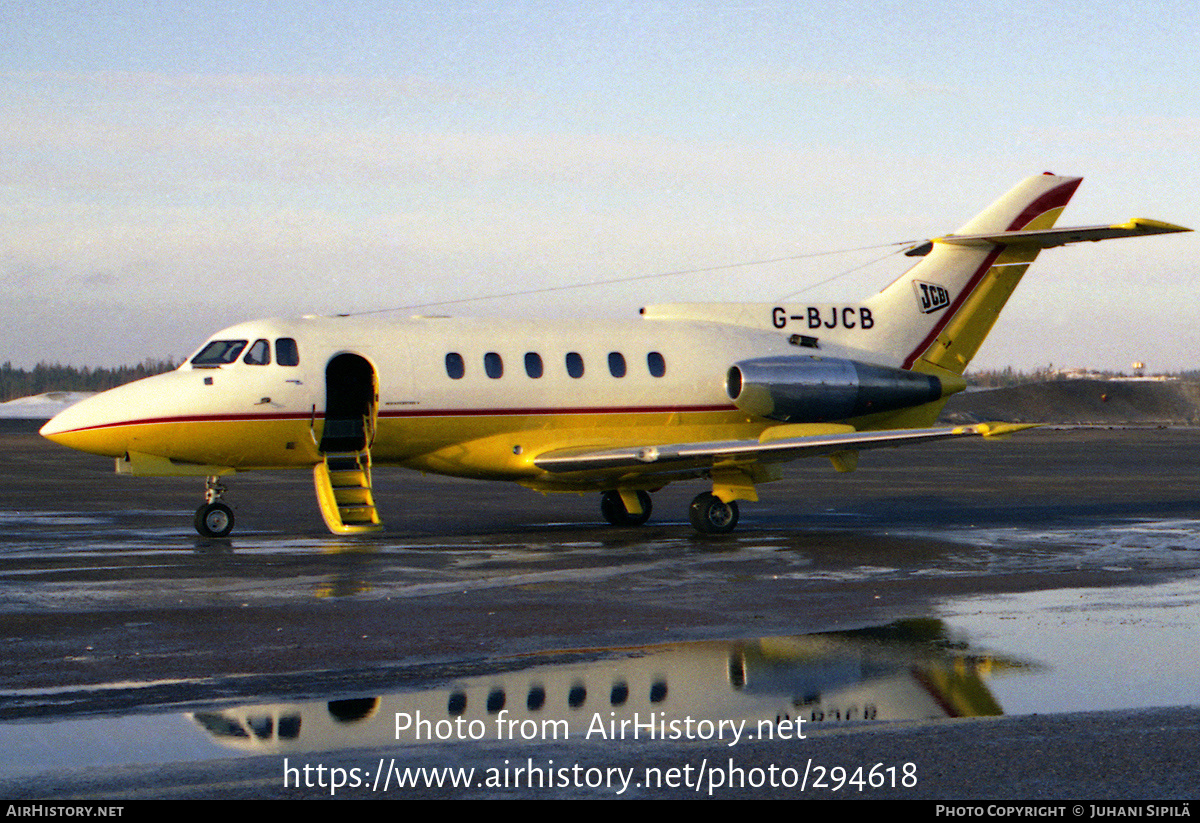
(934,318)
(936,315)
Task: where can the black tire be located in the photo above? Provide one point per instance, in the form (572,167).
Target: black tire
(613,509)
(710,516)
(214,520)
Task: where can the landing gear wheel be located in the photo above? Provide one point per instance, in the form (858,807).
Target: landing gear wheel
(710,516)
(214,520)
(613,509)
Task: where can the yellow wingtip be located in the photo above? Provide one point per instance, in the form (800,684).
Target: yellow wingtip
(1001,430)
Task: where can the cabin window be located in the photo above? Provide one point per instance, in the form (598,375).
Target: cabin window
(457,704)
(219,352)
(287,353)
(616,364)
(493,365)
(620,693)
(656,364)
(576,696)
(575,364)
(495,700)
(533,364)
(455,366)
(658,691)
(536,698)
(259,354)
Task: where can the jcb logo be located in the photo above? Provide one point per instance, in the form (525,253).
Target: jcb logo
(931,297)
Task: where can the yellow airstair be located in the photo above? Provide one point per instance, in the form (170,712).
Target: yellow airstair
(343,481)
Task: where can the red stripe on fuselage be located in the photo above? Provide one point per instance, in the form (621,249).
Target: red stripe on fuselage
(529,412)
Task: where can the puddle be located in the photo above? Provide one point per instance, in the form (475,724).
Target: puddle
(720,692)
(1132,536)
(1102,649)
(1042,652)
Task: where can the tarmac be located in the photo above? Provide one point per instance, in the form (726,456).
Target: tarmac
(146,662)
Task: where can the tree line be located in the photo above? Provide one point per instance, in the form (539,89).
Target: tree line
(1002,378)
(47,377)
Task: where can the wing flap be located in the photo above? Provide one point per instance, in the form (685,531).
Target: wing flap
(688,456)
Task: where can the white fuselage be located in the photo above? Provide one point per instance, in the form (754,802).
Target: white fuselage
(591,383)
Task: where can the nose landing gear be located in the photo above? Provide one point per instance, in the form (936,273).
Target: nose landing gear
(214,518)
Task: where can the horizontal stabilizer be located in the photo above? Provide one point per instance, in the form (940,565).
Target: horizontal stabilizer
(687,456)
(1049,238)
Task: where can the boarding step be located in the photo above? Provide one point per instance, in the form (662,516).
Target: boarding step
(343,481)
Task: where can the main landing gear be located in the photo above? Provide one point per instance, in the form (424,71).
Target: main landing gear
(614,511)
(712,516)
(708,513)
(214,518)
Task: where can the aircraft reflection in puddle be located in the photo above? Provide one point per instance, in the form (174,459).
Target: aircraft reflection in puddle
(702,690)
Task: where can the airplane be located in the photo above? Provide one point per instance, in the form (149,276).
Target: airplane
(722,392)
(906,670)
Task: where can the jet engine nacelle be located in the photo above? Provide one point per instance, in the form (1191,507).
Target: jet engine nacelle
(818,389)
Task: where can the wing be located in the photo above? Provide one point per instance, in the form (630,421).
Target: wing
(687,457)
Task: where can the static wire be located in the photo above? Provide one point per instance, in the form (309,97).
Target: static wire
(897,247)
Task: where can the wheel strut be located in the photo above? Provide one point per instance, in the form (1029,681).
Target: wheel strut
(214,518)
(214,489)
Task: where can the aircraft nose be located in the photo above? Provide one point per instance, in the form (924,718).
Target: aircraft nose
(58,424)
(103,424)
(82,426)
(53,427)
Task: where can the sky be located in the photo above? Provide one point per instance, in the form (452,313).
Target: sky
(170,169)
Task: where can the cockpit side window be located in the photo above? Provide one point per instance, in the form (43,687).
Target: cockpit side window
(287,353)
(219,352)
(259,354)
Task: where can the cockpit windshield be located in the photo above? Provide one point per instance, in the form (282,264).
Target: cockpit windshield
(218,353)
(259,354)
